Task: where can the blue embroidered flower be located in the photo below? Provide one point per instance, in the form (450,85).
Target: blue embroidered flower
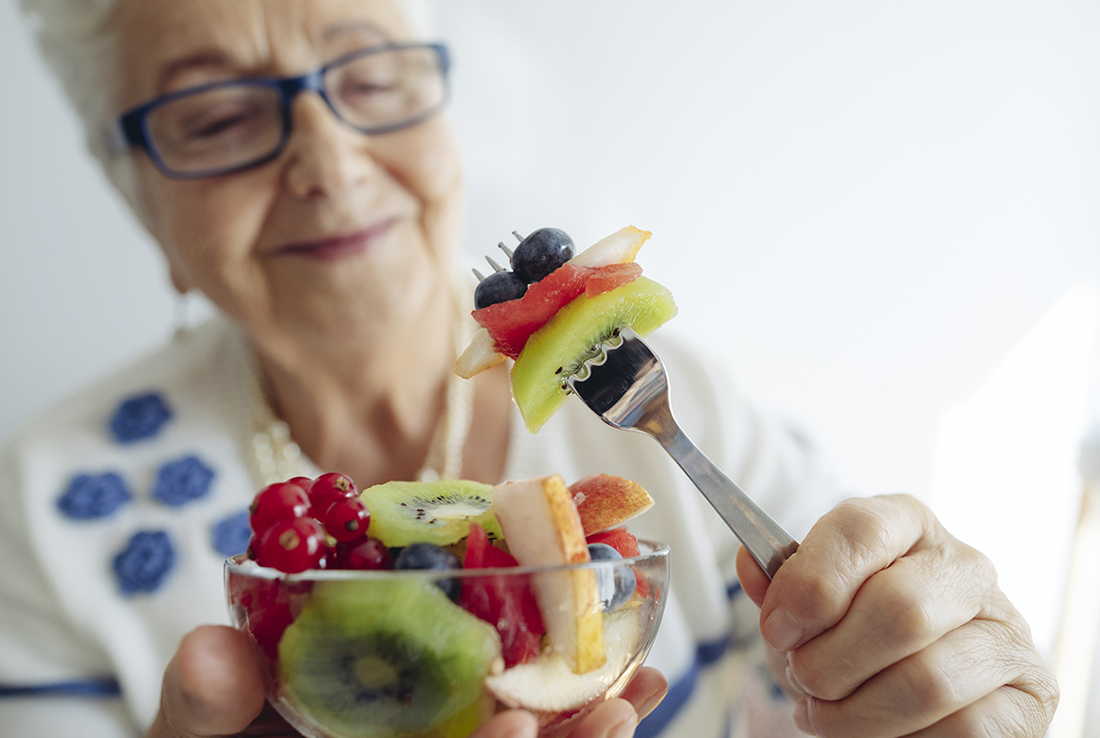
(89,497)
(180,482)
(145,562)
(231,534)
(139,417)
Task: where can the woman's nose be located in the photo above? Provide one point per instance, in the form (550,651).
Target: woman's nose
(324,156)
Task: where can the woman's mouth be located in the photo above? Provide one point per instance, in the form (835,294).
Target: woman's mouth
(342,246)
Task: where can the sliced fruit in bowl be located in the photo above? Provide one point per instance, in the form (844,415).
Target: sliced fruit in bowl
(418,640)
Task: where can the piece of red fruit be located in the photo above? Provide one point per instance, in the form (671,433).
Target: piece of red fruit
(327,489)
(611,276)
(511,323)
(620,539)
(277,502)
(367,554)
(292,546)
(347,519)
(506,602)
(303,482)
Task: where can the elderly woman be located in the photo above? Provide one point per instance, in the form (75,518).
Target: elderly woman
(292,162)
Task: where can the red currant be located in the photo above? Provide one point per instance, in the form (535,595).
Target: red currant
(292,546)
(327,489)
(369,553)
(279,501)
(347,520)
(303,482)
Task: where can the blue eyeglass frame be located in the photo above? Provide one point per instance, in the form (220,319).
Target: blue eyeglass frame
(131,129)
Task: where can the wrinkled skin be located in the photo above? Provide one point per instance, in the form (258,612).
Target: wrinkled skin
(884,625)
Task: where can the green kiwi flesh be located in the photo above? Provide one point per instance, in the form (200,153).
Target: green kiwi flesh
(434,512)
(558,349)
(386,658)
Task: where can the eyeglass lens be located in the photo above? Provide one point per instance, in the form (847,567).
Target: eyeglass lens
(233,125)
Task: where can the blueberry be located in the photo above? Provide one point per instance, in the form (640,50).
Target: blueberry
(430,556)
(615,584)
(540,253)
(498,287)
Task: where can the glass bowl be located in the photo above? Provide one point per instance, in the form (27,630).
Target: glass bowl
(355,654)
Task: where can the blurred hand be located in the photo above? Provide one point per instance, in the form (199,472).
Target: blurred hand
(886,625)
(213,687)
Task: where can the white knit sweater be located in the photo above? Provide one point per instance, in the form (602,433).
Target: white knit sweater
(83,647)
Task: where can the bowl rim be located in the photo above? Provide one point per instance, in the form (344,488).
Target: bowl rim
(240,565)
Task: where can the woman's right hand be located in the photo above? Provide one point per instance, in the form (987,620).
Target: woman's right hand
(213,687)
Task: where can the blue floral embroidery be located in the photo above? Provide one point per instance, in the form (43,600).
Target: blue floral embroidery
(139,417)
(231,534)
(180,482)
(145,562)
(89,497)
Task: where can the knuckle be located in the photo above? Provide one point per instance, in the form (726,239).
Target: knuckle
(1043,688)
(814,680)
(906,610)
(931,689)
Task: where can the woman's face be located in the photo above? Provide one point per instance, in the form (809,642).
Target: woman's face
(339,232)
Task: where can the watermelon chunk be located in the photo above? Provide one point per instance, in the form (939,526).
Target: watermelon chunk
(505,602)
(511,323)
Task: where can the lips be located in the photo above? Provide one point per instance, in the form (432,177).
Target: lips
(341,246)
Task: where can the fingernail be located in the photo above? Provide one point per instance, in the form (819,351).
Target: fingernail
(802,715)
(625,729)
(651,704)
(781,630)
(793,680)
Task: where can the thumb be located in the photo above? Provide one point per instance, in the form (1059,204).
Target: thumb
(212,687)
(754,581)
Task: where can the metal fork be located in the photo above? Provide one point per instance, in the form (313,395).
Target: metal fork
(625,384)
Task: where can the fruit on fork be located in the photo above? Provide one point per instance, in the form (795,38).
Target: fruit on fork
(551,327)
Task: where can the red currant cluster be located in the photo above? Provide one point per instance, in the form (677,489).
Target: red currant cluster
(313,524)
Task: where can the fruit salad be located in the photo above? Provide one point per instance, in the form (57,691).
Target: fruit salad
(553,309)
(420,608)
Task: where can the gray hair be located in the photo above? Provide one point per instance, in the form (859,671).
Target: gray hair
(77,40)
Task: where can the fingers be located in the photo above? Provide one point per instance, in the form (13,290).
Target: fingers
(508,724)
(615,718)
(646,690)
(897,612)
(813,589)
(949,676)
(212,686)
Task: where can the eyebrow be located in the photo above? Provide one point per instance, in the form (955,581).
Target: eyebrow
(205,58)
(337,29)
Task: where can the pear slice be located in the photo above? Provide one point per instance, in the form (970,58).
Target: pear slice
(480,355)
(548,685)
(542,528)
(622,245)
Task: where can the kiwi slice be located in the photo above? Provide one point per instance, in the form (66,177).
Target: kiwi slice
(388,658)
(434,512)
(558,349)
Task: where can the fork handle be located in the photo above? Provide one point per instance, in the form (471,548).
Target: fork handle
(768,543)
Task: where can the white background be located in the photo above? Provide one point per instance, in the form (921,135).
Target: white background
(868,206)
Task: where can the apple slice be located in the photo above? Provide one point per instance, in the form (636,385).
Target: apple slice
(604,501)
(548,685)
(542,528)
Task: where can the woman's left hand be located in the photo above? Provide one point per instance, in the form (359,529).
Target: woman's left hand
(892,627)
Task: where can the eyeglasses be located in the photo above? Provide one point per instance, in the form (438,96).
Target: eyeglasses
(225,127)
